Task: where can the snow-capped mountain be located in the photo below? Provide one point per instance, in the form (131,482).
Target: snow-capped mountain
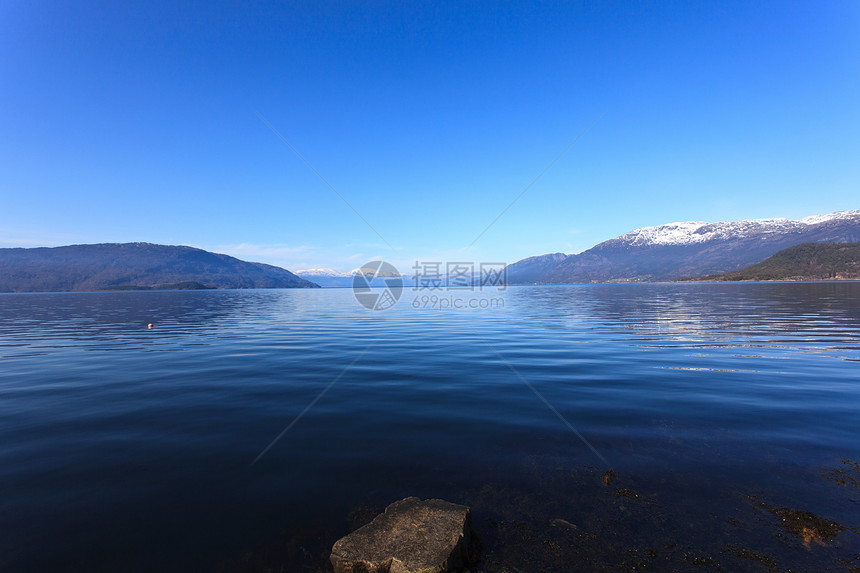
(325,272)
(688,249)
(698,232)
(327,277)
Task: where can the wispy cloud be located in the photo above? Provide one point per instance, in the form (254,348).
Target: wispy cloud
(16,242)
(337,257)
(22,240)
(346,257)
(246,250)
(285,256)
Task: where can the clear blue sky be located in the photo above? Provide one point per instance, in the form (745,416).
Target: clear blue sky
(123,122)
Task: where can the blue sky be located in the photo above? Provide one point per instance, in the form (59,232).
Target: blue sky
(123,122)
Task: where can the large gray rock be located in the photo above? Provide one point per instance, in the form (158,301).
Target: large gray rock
(412,536)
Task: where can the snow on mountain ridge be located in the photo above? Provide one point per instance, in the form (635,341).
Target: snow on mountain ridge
(331,273)
(839,215)
(324,273)
(698,232)
(690,232)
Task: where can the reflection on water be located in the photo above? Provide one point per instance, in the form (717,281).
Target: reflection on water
(718,408)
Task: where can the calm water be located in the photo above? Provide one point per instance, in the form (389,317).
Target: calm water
(128,449)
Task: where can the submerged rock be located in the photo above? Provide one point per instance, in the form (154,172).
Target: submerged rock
(806,525)
(412,536)
(608,477)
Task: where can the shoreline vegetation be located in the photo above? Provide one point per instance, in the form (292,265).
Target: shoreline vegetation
(800,263)
(185,285)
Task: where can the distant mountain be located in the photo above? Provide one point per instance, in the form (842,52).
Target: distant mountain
(807,261)
(330,278)
(532,269)
(691,249)
(327,278)
(125,266)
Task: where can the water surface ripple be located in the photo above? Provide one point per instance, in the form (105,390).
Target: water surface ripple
(131,449)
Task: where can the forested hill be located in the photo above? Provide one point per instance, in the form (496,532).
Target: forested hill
(128,265)
(807,261)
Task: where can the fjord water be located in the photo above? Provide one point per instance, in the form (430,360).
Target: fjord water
(133,449)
